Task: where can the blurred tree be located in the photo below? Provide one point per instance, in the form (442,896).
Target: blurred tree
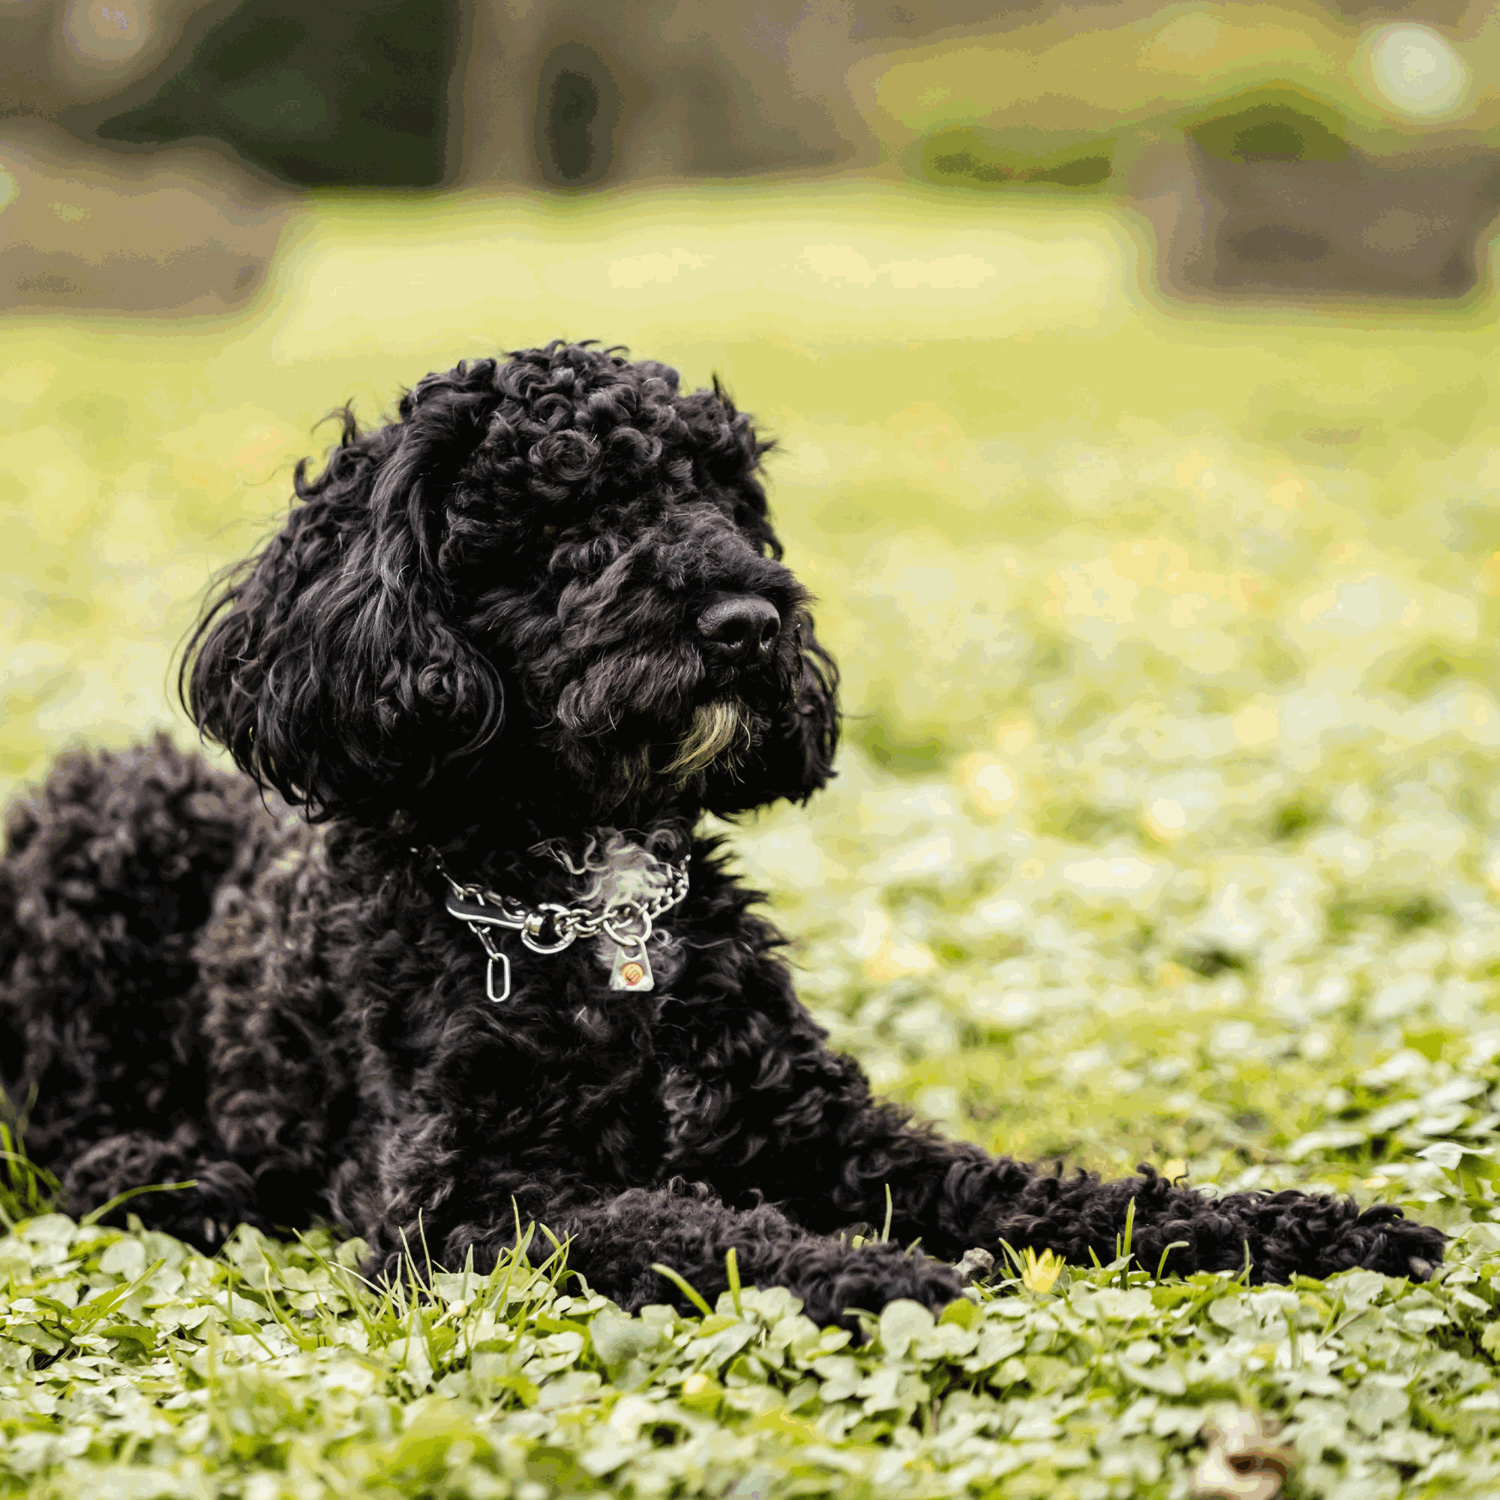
(353,94)
(578,111)
(1272,130)
(967,157)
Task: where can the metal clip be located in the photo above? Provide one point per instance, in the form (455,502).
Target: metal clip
(479,918)
(531,928)
(489,978)
(477,914)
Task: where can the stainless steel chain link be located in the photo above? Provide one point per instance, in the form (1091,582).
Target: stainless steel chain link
(627,924)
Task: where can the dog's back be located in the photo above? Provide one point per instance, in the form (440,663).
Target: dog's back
(109,873)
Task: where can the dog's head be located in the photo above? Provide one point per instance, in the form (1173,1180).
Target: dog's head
(551,583)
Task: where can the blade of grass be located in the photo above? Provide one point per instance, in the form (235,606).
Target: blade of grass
(95,1215)
(682,1286)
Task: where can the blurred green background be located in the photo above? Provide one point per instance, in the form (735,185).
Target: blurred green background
(1132,370)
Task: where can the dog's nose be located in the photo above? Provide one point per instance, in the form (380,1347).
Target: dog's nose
(743,626)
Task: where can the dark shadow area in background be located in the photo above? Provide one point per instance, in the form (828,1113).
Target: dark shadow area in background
(353,94)
(1277,201)
(578,112)
(1360,226)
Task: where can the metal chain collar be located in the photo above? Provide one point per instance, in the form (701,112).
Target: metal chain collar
(550,927)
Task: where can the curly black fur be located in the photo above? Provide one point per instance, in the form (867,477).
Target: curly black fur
(481,629)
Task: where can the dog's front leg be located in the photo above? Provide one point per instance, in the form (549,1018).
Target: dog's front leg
(614,1241)
(954,1197)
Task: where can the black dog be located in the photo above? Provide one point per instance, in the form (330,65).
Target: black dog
(504,652)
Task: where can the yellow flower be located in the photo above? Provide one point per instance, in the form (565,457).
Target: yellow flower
(1039,1273)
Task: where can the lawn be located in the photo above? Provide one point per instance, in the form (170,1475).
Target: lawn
(1166,831)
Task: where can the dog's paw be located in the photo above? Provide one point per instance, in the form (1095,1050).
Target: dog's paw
(1382,1239)
(869,1278)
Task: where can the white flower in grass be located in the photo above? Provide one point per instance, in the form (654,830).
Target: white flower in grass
(999,914)
(1183,805)
(1009,1009)
(926,856)
(990,782)
(1113,878)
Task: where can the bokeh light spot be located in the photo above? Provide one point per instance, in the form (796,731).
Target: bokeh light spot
(1416,70)
(106,31)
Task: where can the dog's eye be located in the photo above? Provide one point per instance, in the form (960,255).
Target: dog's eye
(549,531)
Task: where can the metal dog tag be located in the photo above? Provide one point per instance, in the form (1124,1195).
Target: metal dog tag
(631,969)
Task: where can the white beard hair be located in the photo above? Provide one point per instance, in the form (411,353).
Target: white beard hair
(717,728)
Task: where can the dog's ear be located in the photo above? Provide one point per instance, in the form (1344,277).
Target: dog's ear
(327,665)
(796,757)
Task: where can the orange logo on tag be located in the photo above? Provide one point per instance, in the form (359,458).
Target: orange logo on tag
(631,973)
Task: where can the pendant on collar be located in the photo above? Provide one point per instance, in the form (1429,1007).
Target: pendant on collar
(631,969)
(549,927)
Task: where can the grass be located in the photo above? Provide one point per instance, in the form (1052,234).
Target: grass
(1165,832)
